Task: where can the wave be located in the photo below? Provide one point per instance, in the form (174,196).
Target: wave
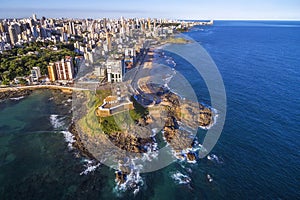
(209,178)
(170,61)
(69,138)
(181,178)
(17,98)
(189,155)
(56,121)
(90,167)
(133,181)
(214,158)
(152,152)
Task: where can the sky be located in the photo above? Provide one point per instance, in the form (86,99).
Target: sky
(170,9)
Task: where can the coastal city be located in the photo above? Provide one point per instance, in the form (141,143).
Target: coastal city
(106,66)
(50,51)
(149,100)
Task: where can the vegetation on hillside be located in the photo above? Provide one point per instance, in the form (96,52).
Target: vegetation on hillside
(20,60)
(114,123)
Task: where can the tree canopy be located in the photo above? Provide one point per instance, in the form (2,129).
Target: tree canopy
(20,60)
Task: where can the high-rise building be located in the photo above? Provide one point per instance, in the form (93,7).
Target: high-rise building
(34,17)
(13,35)
(149,23)
(1,27)
(71,28)
(65,69)
(31,23)
(41,32)
(5,37)
(52,72)
(115,70)
(108,40)
(34,32)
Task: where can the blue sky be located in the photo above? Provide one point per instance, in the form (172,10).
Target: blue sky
(183,9)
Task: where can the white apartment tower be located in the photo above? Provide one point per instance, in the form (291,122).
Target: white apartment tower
(65,69)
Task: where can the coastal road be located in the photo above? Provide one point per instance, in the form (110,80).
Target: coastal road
(139,72)
(41,87)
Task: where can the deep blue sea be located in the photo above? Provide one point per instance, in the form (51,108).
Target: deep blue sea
(258,153)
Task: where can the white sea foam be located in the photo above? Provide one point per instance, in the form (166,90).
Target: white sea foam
(214,158)
(90,167)
(215,117)
(181,178)
(133,180)
(69,138)
(152,152)
(192,161)
(136,190)
(179,156)
(209,178)
(170,61)
(56,121)
(154,131)
(182,155)
(17,98)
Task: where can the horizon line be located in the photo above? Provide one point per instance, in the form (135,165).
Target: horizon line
(182,19)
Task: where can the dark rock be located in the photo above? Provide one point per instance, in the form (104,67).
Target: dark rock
(191,156)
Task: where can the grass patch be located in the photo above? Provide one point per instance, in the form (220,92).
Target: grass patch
(101,95)
(109,125)
(89,123)
(92,124)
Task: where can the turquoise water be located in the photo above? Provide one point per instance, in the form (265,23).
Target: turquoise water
(258,151)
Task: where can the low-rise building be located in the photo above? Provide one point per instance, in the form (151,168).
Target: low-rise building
(113,105)
(35,74)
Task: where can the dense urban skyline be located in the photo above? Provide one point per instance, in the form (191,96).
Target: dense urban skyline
(191,9)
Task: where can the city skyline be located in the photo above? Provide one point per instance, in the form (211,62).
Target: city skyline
(191,9)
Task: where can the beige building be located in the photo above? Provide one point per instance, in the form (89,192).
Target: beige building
(113,105)
(61,70)
(52,72)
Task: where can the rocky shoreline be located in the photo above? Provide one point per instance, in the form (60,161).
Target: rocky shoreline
(177,110)
(23,91)
(14,94)
(189,113)
(78,144)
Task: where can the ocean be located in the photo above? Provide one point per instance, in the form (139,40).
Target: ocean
(256,157)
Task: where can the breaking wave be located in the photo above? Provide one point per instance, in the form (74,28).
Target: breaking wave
(90,167)
(69,138)
(17,98)
(131,181)
(214,158)
(57,121)
(181,178)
